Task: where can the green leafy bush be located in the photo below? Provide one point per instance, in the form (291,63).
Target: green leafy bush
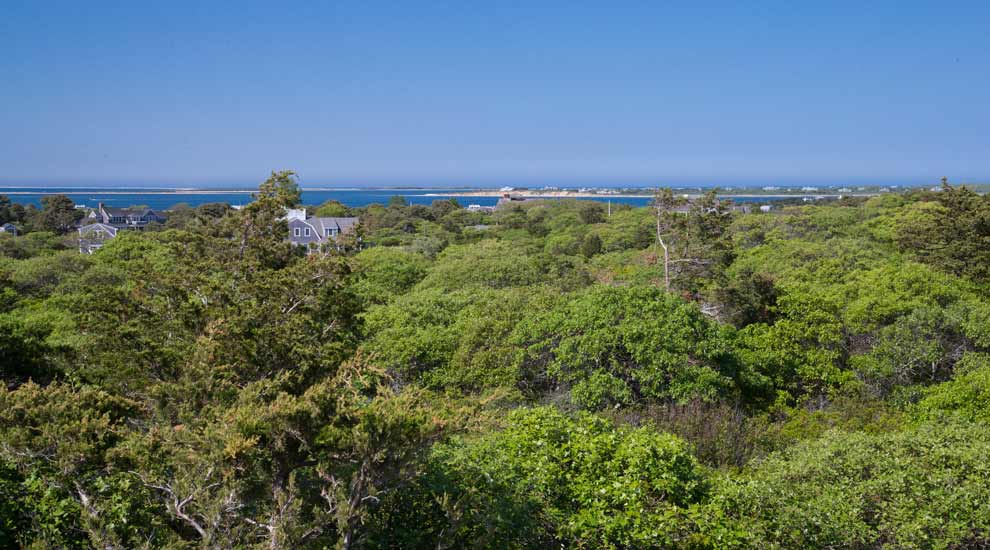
(966,396)
(457,340)
(385,272)
(551,479)
(489,263)
(923,488)
(653,344)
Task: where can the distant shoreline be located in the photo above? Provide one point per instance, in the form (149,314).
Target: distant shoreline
(132,192)
(487,193)
(605,196)
(434,193)
(750,194)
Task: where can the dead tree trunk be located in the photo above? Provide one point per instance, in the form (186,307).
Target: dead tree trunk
(666,255)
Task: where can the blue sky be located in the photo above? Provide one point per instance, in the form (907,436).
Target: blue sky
(364,92)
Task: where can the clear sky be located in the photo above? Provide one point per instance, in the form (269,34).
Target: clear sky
(414,92)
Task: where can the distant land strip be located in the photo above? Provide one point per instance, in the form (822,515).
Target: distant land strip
(83,190)
(584,194)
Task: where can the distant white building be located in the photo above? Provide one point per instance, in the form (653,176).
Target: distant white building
(9,228)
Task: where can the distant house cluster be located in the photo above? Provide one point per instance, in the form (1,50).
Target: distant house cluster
(124,218)
(313,232)
(103,223)
(9,229)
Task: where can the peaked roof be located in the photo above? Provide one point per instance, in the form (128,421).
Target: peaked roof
(340,224)
(304,221)
(114,211)
(321,225)
(97,226)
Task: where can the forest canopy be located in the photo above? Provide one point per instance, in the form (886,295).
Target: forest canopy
(551,374)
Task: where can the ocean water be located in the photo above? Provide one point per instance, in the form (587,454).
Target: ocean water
(161,199)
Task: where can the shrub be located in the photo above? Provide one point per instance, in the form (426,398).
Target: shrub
(966,396)
(923,488)
(583,483)
(384,272)
(613,344)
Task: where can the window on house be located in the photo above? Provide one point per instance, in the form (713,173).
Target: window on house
(295,232)
(307,231)
(327,232)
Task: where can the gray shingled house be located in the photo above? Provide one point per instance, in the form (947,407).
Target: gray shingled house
(102,224)
(124,218)
(313,232)
(92,236)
